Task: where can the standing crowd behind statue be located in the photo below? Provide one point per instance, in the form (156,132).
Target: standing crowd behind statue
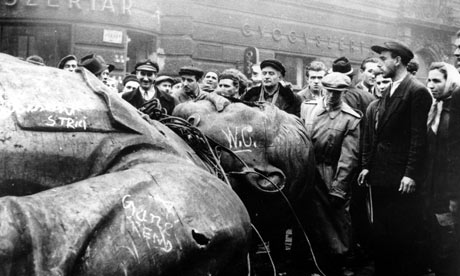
(387,150)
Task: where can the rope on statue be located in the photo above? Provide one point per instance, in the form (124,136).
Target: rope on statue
(199,142)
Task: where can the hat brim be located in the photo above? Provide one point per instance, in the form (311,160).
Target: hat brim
(336,89)
(379,49)
(146,68)
(63,61)
(349,73)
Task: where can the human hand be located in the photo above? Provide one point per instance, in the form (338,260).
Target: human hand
(407,185)
(362,177)
(219,102)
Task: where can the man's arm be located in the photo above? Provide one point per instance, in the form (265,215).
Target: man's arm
(420,103)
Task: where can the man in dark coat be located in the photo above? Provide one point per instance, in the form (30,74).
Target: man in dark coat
(146,72)
(272,90)
(394,165)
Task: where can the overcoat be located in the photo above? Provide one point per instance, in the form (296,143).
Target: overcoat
(399,146)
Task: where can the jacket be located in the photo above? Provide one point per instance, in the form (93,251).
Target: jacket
(287,99)
(399,144)
(335,137)
(135,99)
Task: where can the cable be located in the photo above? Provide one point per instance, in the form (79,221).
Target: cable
(266,249)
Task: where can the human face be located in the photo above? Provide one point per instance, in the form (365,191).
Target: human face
(256,74)
(189,83)
(176,87)
(70,65)
(210,80)
(146,78)
(332,97)
(436,83)
(368,74)
(381,82)
(314,80)
(165,87)
(270,76)
(457,52)
(104,76)
(130,86)
(388,64)
(226,88)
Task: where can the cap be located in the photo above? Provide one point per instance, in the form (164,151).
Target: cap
(128,78)
(161,79)
(65,59)
(147,65)
(342,65)
(336,81)
(276,64)
(188,70)
(397,47)
(37,60)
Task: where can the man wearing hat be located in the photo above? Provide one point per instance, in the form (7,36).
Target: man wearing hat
(393,166)
(146,72)
(190,77)
(97,65)
(164,84)
(357,99)
(333,126)
(68,63)
(272,90)
(130,83)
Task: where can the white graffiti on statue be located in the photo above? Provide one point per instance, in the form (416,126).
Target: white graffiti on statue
(240,138)
(154,229)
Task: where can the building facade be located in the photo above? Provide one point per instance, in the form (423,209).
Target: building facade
(214,34)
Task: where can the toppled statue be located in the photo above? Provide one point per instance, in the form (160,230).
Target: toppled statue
(90,187)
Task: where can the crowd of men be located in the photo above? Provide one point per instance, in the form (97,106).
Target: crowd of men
(386,147)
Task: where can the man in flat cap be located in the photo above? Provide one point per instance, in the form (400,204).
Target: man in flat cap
(146,72)
(333,126)
(164,84)
(68,63)
(272,90)
(130,83)
(393,165)
(190,77)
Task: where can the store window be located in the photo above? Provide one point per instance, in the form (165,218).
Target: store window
(51,42)
(295,68)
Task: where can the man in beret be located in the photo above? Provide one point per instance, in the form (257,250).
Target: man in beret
(164,84)
(393,165)
(68,63)
(272,90)
(146,72)
(333,126)
(190,77)
(130,83)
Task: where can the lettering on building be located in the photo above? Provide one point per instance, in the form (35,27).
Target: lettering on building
(109,6)
(319,41)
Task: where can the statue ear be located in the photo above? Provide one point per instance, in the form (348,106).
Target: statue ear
(194,119)
(268,179)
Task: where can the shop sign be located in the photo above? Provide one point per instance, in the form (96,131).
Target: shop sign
(112,36)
